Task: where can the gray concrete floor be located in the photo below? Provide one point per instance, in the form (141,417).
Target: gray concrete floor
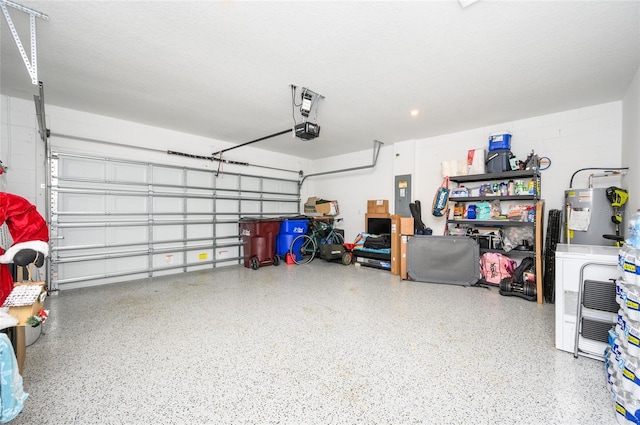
(316,344)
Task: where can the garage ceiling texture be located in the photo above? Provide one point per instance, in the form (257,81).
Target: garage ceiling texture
(223,69)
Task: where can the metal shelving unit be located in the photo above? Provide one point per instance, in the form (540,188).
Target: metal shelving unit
(532,199)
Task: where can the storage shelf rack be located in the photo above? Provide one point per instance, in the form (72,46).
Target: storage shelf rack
(532,199)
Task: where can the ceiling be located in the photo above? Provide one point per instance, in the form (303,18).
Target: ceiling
(223,69)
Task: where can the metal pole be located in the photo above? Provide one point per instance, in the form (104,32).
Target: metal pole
(376,150)
(280,133)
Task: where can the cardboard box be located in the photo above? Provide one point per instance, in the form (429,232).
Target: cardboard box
(406,226)
(368,216)
(399,226)
(328,208)
(395,244)
(378,206)
(310,205)
(403,256)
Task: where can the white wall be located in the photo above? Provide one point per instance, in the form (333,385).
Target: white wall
(631,143)
(352,189)
(23,152)
(579,138)
(575,139)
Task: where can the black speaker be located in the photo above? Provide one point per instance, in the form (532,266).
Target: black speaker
(443,259)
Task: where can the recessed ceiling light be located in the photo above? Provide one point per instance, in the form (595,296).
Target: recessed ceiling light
(414,112)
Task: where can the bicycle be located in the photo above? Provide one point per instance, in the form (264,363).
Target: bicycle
(304,248)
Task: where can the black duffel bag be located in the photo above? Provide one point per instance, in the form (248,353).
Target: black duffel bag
(382,241)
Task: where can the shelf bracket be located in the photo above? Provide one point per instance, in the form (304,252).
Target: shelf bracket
(32,65)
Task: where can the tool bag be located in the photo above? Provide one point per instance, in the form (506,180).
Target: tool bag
(441,200)
(494,267)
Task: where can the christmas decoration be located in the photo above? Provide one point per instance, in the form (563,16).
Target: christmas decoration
(35,320)
(30,238)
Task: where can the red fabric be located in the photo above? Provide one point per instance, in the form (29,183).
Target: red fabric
(25,224)
(23,220)
(6,282)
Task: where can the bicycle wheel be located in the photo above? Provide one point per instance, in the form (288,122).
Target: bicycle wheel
(334,238)
(303,249)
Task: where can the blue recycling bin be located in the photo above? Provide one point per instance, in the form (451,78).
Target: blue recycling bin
(289,230)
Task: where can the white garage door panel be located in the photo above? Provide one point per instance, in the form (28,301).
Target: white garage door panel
(134,263)
(70,237)
(127,173)
(279,186)
(83,169)
(199,256)
(227,206)
(88,270)
(81,202)
(251,207)
(167,259)
(127,235)
(168,233)
(114,220)
(226,252)
(228,181)
(202,179)
(168,176)
(200,205)
(280,209)
(80,269)
(250,184)
(200,231)
(167,205)
(128,204)
(224,230)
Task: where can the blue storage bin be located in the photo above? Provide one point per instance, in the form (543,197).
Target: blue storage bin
(283,243)
(499,141)
(294,227)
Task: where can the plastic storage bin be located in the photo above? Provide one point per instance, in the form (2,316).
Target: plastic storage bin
(498,141)
(289,230)
(498,161)
(259,241)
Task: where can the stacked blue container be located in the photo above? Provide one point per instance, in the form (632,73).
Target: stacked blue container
(622,357)
(289,230)
(499,153)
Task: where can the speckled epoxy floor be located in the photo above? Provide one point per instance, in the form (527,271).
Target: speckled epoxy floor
(316,344)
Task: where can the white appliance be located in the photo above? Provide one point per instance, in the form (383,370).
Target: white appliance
(598,263)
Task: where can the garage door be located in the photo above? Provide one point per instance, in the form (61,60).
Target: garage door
(113,220)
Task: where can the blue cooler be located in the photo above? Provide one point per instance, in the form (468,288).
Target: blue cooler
(500,141)
(289,230)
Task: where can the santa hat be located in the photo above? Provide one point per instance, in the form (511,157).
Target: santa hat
(27,227)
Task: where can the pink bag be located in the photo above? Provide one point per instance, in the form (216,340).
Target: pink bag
(494,267)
